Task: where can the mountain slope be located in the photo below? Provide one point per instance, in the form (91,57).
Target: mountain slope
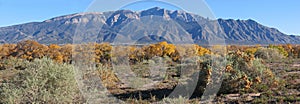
(154,24)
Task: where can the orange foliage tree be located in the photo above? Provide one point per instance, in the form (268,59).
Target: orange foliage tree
(103,52)
(161,49)
(29,50)
(136,54)
(54,53)
(296,51)
(66,52)
(201,51)
(6,50)
(289,48)
(251,50)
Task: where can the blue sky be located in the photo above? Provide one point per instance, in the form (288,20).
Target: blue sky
(280,14)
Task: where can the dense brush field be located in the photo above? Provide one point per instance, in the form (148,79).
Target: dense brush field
(35,73)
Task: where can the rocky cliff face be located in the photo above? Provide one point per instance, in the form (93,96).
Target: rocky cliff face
(154,24)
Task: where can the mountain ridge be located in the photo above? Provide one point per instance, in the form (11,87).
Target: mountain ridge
(171,25)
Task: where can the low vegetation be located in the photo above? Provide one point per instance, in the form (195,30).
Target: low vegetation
(42,81)
(35,73)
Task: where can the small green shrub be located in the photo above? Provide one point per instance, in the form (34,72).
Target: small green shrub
(247,74)
(13,63)
(268,54)
(243,73)
(179,100)
(43,81)
(280,49)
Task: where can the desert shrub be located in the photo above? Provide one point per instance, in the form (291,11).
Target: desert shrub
(280,49)
(242,73)
(208,76)
(12,63)
(179,100)
(289,48)
(43,81)
(66,52)
(219,50)
(251,50)
(296,52)
(108,77)
(268,54)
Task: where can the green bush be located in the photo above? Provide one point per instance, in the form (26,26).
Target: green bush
(12,63)
(280,49)
(43,81)
(268,54)
(243,74)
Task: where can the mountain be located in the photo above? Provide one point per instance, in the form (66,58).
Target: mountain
(152,25)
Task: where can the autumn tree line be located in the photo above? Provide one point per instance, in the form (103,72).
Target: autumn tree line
(243,67)
(31,50)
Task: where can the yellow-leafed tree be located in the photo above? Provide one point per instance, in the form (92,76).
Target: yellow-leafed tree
(54,53)
(30,50)
(201,51)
